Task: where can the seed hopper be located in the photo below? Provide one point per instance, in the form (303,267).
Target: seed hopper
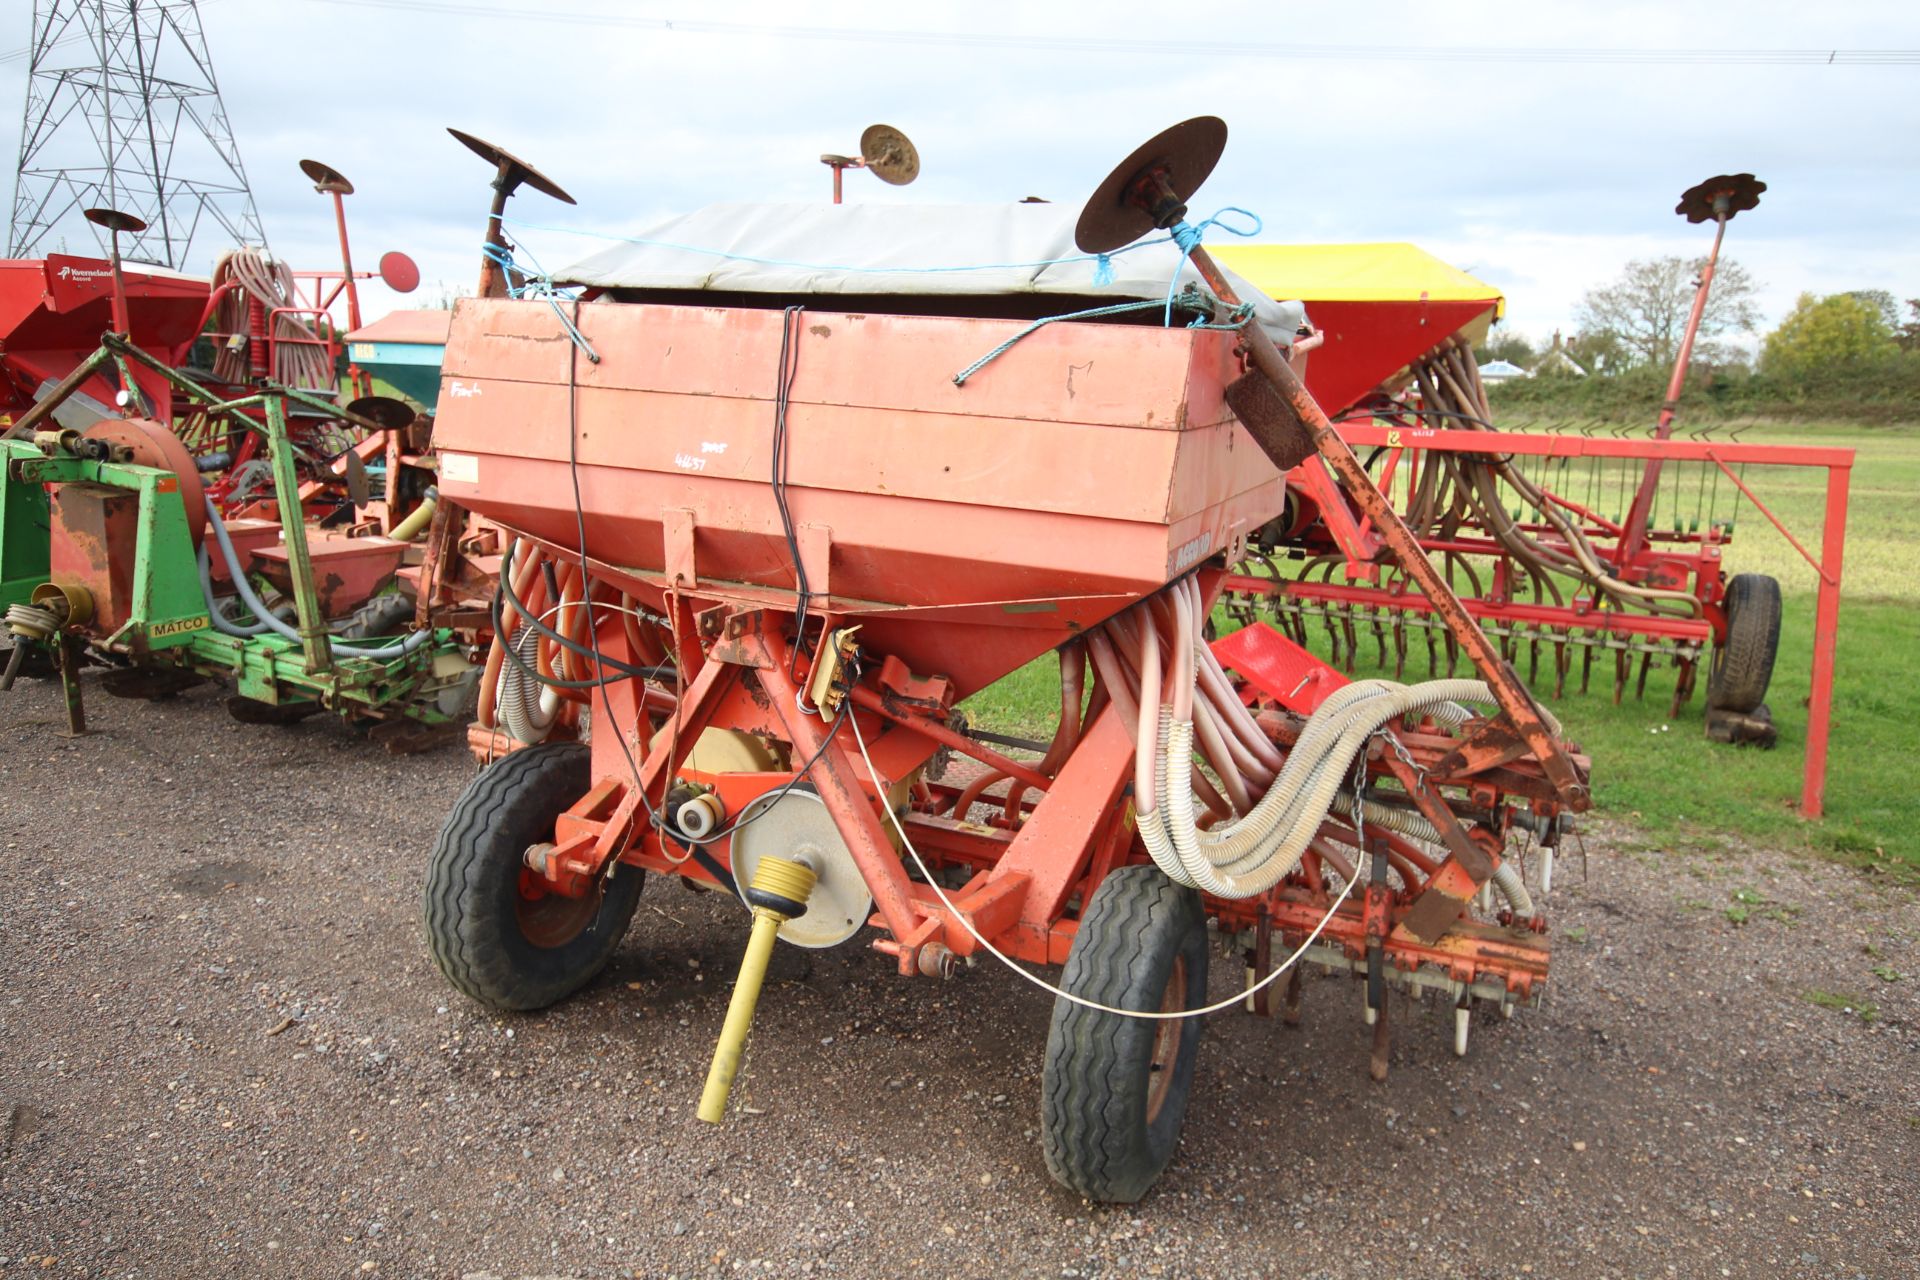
(775,519)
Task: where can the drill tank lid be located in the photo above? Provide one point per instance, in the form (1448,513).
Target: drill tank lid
(1015,260)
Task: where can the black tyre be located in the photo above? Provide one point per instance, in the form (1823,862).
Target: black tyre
(378,617)
(1743,661)
(1114,1089)
(496,936)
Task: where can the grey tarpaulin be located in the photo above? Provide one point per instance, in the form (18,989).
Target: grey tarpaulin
(893,250)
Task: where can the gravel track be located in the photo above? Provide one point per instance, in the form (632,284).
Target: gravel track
(225,1051)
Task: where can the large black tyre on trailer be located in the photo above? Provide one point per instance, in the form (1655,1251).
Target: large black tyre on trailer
(1743,661)
(1114,1089)
(496,937)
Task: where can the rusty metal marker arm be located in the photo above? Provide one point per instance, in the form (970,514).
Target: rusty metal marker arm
(1149,191)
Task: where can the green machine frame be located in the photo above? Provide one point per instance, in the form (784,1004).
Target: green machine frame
(169,622)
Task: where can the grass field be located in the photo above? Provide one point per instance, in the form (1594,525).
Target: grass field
(1664,777)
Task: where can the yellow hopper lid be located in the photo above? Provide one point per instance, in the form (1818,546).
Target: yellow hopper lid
(1354,273)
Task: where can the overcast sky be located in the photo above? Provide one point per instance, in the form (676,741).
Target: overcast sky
(1542,175)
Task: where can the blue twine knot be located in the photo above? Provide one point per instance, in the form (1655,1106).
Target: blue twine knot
(1187,235)
(538,284)
(1103,269)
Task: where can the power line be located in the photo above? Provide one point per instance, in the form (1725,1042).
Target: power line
(135,125)
(1161,47)
(1139,47)
(78,37)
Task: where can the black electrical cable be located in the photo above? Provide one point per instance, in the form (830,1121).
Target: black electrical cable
(782,394)
(789,367)
(799,775)
(661,674)
(586,577)
(624,668)
(697,847)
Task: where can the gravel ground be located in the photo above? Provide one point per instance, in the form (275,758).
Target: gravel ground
(224,1051)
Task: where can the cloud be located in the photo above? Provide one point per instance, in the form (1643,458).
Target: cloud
(1544,178)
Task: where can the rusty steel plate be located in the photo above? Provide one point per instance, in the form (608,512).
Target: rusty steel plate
(888,154)
(1186,153)
(1742,191)
(151,445)
(399,272)
(326,178)
(114,220)
(514,170)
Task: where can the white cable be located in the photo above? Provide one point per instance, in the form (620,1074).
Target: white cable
(1042,983)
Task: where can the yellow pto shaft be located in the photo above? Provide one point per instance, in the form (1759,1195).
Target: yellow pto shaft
(779,893)
(409,529)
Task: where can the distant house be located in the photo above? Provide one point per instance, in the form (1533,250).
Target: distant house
(1556,361)
(1501,370)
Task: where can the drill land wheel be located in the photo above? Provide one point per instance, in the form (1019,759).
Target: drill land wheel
(1114,1089)
(495,934)
(1743,662)
(378,617)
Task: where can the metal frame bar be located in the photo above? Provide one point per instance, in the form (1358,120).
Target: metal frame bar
(1838,463)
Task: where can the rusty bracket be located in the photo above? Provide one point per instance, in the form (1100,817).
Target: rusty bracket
(1468,865)
(991,906)
(441,533)
(1273,423)
(1490,745)
(930,694)
(731,634)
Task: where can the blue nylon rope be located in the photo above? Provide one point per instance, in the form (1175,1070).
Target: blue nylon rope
(1102,262)
(539,285)
(1187,235)
(1184,234)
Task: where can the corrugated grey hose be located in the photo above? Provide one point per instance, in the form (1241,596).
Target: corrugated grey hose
(526,706)
(220,620)
(1253,853)
(264,616)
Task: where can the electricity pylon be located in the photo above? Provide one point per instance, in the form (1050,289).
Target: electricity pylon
(123,112)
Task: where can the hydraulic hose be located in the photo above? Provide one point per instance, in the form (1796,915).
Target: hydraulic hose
(1183,695)
(1250,855)
(264,615)
(220,621)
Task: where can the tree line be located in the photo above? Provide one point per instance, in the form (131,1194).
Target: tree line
(1854,354)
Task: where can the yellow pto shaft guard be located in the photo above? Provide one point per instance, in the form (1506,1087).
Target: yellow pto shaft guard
(779,893)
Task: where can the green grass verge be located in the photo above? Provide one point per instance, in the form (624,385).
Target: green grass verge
(1667,779)
(1664,777)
